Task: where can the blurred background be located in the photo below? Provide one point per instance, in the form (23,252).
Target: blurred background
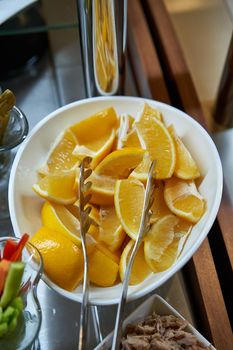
(45,36)
(204,29)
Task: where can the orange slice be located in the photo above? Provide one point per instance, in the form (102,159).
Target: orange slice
(120,163)
(159,144)
(60,156)
(115,256)
(159,207)
(123,129)
(96,135)
(60,187)
(111,231)
(58,218)
(149,112)
(82,151)
(103,271)
(185,167)
(160,244)
(117,165)
(142,170)
(128,198)
(62,259)
(183,199)
(140,270)
(132,139)
(102,189)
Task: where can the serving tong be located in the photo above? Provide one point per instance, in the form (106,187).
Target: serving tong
(85,223)
(143,230)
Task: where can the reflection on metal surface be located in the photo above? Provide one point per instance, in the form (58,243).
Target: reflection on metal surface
(105,49)
(102,26)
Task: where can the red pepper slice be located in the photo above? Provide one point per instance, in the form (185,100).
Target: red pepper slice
(16,256)
(12,250)
(9,249)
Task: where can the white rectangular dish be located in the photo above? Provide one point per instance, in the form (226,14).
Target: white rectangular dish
(153,304)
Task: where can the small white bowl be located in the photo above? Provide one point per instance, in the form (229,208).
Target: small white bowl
(25,205)
(153,304)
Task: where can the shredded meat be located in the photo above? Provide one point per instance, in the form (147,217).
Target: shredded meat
(160,333)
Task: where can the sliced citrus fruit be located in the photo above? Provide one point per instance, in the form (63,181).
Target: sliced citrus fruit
(82,151)
(59,187)
(159,207)
(160,237)
(140,269)
(183,199)
(142,170)
(117,165)
(128,198)
(96,134)
(132,139)
(103,271)
(148,111)
(123,130)
(185,167)
(62,259)
(159,144)
(183,228)
(120,163)
(60,156)
(111,231)
(58,218)
(129,136)
(169,256)
(115,256)
(102,189)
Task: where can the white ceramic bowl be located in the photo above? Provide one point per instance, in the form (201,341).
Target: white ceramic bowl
(153,304)
(25,205)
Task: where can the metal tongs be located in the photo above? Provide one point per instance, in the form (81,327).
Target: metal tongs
(85,222)
(143,230)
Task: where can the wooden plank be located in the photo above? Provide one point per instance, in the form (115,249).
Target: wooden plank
(143,56)
(225,221)
(224,102)
(173,58)
(210,294)
(205,286)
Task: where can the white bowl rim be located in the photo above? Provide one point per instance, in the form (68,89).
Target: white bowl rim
(184,259)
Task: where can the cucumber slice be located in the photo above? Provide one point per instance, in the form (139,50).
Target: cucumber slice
(8,313)
(17,303)
(12,283)
(3,328)
(13,323)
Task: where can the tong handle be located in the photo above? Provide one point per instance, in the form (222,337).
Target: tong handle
(143,229)
(84,226)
